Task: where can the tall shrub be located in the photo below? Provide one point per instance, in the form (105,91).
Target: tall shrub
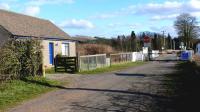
(9,63)
(21,57)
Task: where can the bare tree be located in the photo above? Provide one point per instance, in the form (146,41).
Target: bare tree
(186,27)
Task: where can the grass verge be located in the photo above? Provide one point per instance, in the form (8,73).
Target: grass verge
(17,91)
(50,70)
(112,68)
(185,85)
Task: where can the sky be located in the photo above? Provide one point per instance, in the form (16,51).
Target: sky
(107,18)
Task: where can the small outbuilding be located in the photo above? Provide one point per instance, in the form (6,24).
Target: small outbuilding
(54,40)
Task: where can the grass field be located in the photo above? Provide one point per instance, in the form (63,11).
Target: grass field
(16,91)
(113,68)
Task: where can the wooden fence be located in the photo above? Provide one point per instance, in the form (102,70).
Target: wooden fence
(66,64)
(91,62)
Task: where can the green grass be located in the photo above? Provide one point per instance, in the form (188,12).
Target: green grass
(17,91)
(50,70)
(184,85)
(115,67)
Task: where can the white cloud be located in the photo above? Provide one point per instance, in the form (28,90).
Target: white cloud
(193,5)
(4,6)
(162,17)
(103,16)
(157,11)
(43,2)
(169,9)
(33,6)
(32,10)
(77,24)
(120,25)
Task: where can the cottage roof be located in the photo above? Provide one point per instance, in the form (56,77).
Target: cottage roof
(23,25)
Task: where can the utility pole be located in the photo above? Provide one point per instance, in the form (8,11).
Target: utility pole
(163,37)
(171,43)
(174,44)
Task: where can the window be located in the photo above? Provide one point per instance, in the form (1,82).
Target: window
(65,49)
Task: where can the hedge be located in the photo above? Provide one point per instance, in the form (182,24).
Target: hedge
(21,58)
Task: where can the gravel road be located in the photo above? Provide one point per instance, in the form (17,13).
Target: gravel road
(136,89)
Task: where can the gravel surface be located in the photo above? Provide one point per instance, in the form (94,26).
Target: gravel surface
(136,89)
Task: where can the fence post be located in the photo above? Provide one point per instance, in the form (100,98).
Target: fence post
(65,64)
(88,61)
(105,58)
(110,59)
(78,62)
(126,57)
(96,62)
(55,64)
(43,71)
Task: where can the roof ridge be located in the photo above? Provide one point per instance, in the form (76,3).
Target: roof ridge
(17,13)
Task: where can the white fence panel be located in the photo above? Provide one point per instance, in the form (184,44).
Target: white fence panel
(139,56)
(155,54)
(90,62)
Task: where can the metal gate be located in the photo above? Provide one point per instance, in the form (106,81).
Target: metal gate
(164,56)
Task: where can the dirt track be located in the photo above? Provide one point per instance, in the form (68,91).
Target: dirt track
(138,89)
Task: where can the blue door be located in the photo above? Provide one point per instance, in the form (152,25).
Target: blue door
(51,53)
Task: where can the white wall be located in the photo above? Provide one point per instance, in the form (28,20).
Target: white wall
(137,56)
(57,49)
(155,54)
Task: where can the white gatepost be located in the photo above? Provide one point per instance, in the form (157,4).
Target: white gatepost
(134,56)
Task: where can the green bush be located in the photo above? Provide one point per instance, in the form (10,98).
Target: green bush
(21,58)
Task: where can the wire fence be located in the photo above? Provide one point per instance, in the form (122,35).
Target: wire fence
(120,58)
(91,62)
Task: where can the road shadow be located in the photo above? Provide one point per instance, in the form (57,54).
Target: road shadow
(95,90)
(167,60)
(130,74)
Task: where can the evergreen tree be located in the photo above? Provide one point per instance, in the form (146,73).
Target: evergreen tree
(133,41)
(119,42)
(169,41)
(124,43)
(155,42)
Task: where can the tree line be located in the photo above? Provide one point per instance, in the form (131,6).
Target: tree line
(186,26)
(134,42)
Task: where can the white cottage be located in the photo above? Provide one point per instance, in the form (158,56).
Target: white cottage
(54,40)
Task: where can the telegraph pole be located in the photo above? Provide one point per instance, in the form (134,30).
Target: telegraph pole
(163,37)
